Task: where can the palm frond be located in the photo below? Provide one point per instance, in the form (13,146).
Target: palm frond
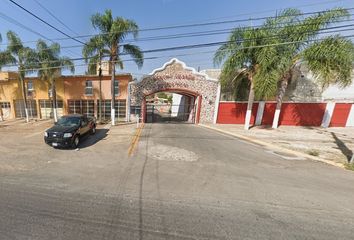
(113,32)
(331,61)
(14,42)
(135,53)
(67,64)
(102,22)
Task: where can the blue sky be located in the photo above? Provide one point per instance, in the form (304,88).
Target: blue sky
(149,14)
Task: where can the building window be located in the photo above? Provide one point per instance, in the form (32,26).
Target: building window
(30,86)
(119,105)
(88,88)
(116,88)
(5,105)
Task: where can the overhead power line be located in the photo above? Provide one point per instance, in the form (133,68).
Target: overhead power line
(55,17)
(196,46)
(15,22)
(247,39)
(276,10)
(46,23)
(192,34)
(204,24)
(232,21)
(203,45)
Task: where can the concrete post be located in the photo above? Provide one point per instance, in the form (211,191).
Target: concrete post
(350,120)
(328,114)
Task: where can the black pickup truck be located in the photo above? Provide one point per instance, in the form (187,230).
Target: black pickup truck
(68,130)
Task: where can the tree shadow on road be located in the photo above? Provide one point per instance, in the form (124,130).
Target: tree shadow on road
(342,147)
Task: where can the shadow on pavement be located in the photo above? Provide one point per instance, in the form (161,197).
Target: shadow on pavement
(89,140)
(342,147)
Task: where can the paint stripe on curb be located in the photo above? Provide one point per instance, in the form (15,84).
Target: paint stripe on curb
(135,140)
(274,147)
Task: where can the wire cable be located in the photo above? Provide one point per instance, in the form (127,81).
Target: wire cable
(156,57)
(55,17)
(204,24)
(46,23)
(13,21)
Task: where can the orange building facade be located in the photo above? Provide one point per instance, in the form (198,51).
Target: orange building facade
(75,94)
(81,94)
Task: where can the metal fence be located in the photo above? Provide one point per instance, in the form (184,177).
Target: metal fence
(20,108)
(170,113)
(120,107)
(84,107)
(46,108)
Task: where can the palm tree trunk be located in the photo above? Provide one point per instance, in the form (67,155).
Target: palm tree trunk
(100,92)
(24,95)
(113,115)
(249,105)
(54,97)
(1,114)
(280,96)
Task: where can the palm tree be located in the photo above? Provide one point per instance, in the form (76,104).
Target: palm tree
(50,66)
(241,60)
(281,43)
(320,55)
(113,31)
(25,59)
(93,52)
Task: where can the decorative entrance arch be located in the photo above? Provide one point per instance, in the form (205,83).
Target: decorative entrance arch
(176,77)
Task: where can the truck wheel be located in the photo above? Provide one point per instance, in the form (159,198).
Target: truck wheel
(93,130)
(76,142)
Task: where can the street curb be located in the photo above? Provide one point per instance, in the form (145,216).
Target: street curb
(274,147)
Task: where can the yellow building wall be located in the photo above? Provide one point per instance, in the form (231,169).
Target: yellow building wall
(41,91)
(10,90)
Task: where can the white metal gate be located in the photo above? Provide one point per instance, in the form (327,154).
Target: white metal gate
(85,107)
(6,110)
(119,106)
(46,108)
(20,108)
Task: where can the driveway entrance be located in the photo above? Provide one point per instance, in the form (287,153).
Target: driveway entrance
(170,108)
(175,77)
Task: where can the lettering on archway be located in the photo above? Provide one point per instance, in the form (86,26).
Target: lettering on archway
(176,77)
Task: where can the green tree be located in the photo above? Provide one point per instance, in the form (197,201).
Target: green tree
(241,61)
(50,66)
(25,58)
(283,42)
(5,57)
(112,32)
(93,52)
(329,59)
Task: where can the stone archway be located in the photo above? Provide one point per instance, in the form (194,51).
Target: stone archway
(176,77)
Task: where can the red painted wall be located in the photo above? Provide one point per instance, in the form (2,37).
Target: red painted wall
(268,114)
(302,114)
(235,113)
(292,114)
(340,114)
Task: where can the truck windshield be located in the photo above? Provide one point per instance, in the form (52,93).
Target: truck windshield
(68,121)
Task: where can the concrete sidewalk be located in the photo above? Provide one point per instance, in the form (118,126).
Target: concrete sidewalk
(330,144)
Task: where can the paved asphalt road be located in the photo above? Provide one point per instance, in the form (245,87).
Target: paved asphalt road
(183,182)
